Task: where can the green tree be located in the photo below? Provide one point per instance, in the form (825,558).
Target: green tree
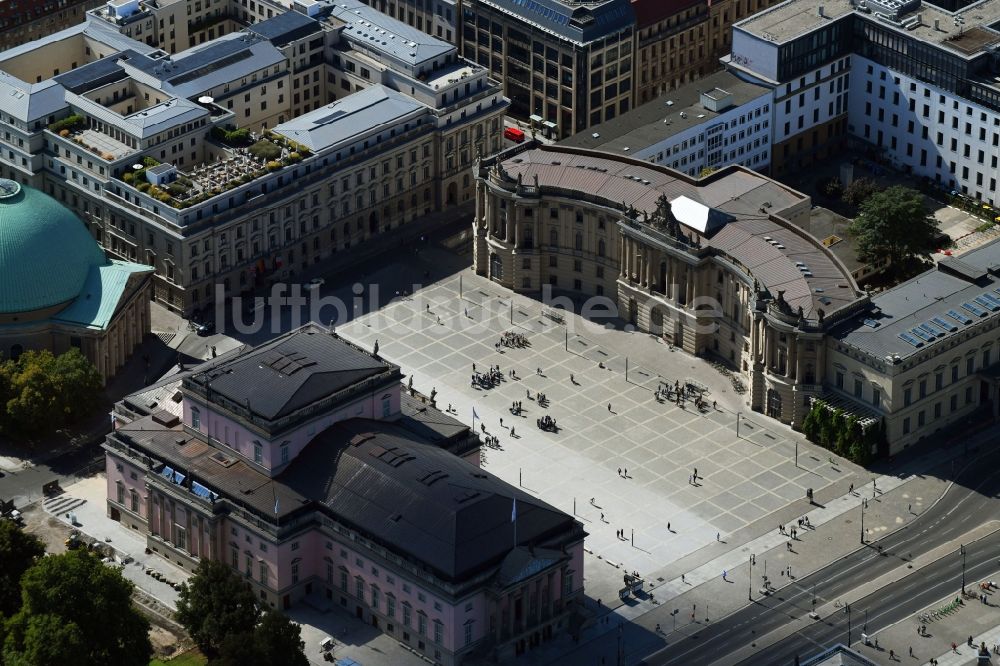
(895,225)
(76,610)
(215,603)
(810,425)
(18,552)
(42,392)
(34,402)
(78,384)
(859,191)
(275,640)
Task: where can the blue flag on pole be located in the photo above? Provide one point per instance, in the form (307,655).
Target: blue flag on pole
(474,415)
(513,511)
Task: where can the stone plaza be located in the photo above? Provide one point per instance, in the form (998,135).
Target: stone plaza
(606,424)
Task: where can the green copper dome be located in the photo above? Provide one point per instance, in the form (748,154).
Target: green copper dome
(45,251)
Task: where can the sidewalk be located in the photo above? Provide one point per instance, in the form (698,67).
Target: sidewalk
(703,594)
(981,621)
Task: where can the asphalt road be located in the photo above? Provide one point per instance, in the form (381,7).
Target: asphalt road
(25,486)
(964,506)
(887,606)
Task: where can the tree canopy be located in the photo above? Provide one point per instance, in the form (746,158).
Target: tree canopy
(895,224)
(18,552)
(275,640)
(40,391)
(218,609)
(76,610)
(215,604)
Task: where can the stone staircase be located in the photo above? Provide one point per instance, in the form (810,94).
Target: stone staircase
(62,504)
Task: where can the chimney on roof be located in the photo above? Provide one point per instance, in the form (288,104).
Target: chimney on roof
(819,11)
(937,25)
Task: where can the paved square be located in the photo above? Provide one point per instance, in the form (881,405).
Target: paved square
(436,336)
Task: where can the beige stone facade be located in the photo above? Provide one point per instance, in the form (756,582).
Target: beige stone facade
(691,288)
(402,154)
(26,21)
(680,42)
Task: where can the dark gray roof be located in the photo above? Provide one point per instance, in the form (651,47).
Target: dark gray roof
(152,398)
(571,19)
(286,27)
(428,423)
(924,300)
(220,471)
(208,65)
(419,499)
(290,372)
(643,126)
(97,73)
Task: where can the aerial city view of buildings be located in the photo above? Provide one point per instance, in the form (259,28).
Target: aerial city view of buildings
(350,330)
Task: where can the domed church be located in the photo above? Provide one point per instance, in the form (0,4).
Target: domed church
(59,290)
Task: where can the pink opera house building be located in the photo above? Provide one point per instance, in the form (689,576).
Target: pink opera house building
(304,465)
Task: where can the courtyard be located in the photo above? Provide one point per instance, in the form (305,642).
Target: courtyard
(605,424)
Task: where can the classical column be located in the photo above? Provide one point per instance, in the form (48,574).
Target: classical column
(799,361)
(793,359)
(768,347)
(690,285)
(621,256)
(513,221)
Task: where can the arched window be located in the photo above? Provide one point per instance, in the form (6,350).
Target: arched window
(554,237)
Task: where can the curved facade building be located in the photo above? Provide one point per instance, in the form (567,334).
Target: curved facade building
(716,265)
(57,288)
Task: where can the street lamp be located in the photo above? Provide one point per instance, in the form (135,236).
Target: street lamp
(847,609)
(962,551)
(862,522)
(738,424)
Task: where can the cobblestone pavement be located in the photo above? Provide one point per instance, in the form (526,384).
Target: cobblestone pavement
(742,481)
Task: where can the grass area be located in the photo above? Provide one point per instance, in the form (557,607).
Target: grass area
(190,658)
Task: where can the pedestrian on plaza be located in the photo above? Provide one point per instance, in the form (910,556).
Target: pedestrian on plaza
(682,578)
(911,650)
(658,628)
(892,655)
(609,406)
(724,572)
(718,537)
(625,475)
(668,527)
(851,490)
(501,421)
(602,518)
(512,431)
(619,471)
(695,473)
(909,508)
